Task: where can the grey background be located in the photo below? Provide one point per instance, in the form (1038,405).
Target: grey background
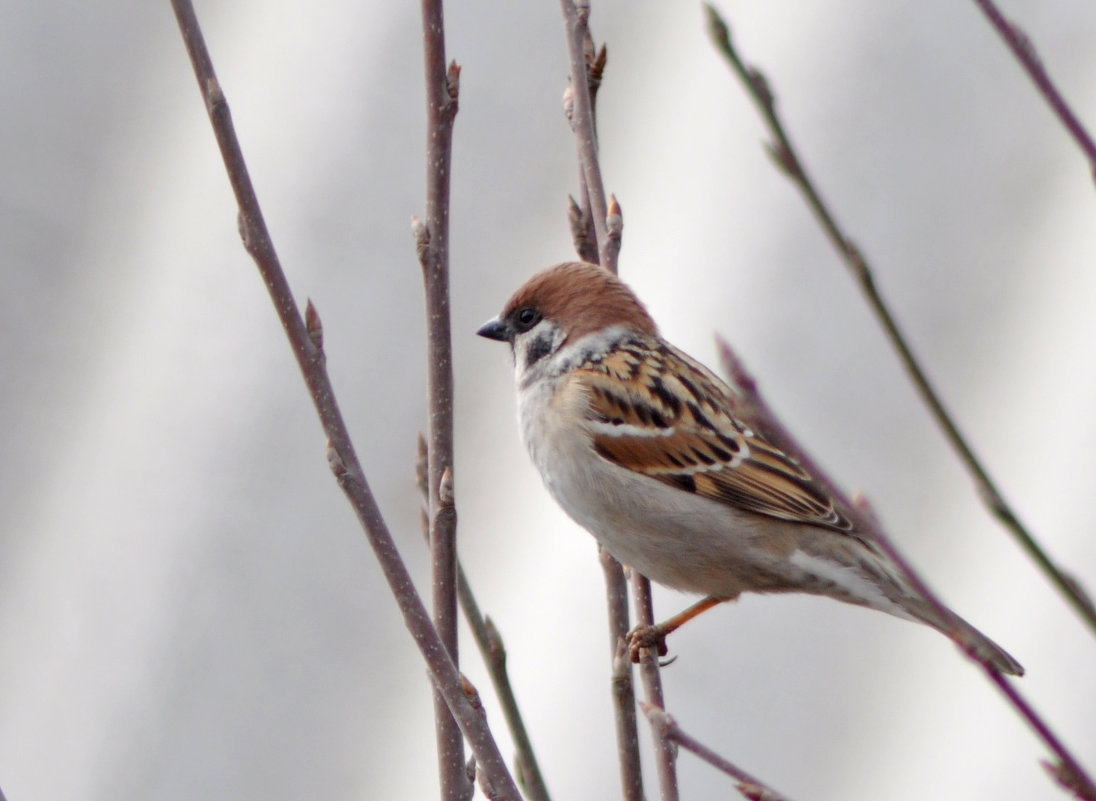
(186,606)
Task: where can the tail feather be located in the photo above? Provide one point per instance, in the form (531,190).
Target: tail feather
(907,602)
(978,645)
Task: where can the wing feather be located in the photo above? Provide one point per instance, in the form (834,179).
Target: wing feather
(654,410)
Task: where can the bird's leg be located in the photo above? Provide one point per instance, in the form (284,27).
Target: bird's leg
(651,636)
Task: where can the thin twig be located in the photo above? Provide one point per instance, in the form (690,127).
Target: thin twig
(491,646)
(754,409)
(1069,770)
(788,161)
(624,699)
(305,339)
(751,787)
(1021,46)
(576,16)
(432,244)
(493,651)
(665,751)
(579,215)
(586,74)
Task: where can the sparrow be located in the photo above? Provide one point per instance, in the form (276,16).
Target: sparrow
(639,444)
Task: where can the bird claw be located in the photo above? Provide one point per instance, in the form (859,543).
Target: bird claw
(645,638)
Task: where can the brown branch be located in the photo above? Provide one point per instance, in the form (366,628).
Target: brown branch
(432,245)
(665,752)
(753,409)
(305,340)
(750,787)
(1068,770)
(581,220)
(624,699)
(785,157)
(493,651)
(576,16)
(1021,46)
(592,218)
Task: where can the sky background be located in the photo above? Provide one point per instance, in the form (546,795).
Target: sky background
(187,608)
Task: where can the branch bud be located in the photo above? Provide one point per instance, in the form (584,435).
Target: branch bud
(313,324)
(614,220)
(336,463)
(452,81)
(569,106)
(421,234)
(445,487)
(420,465)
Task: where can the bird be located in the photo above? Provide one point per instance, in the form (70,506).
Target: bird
(640,444)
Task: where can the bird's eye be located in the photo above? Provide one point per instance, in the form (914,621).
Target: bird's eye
(527,318)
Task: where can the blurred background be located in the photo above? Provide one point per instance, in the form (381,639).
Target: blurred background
(187,607)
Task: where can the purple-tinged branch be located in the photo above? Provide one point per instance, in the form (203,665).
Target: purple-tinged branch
(786,158)
(1021,46)
(750,787)
(1068,771)
(342,457)
(753,408)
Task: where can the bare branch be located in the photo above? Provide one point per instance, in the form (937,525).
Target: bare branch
(786,158)
(624,699)
(341,454)
(432,246)
(1021,46)
(755,409)
(1068,771)
(576,15)
(590,232)
(665,752)
(750,787)
(493,651)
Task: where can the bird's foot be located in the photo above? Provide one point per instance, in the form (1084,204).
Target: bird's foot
(646,638)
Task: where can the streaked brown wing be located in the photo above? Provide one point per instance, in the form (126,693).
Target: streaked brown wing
(667,417)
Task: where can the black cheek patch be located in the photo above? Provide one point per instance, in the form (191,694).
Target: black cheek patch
(539,347)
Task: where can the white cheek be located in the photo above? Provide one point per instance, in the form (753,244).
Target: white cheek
(534,349)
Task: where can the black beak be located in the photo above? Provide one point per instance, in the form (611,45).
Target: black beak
(495,329)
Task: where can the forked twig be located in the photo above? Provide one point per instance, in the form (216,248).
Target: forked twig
(786,158)
(750,787)
(305,339)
